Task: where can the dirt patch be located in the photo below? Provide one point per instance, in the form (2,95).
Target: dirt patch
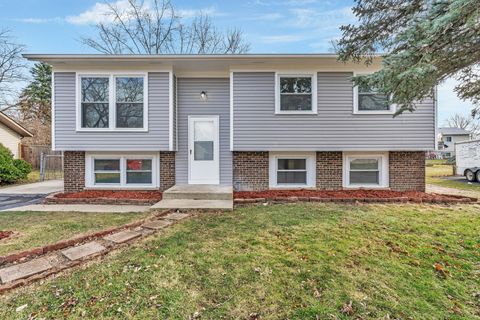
(5,234)
(302,194)
(110,194)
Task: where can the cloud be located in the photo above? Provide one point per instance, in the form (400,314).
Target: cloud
(267,17)
(38,20)
(100,12)
(286,38)
(311,18)
(192,13)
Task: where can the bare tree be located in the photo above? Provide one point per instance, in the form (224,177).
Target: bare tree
(11,68)
(155,28)
(464,122)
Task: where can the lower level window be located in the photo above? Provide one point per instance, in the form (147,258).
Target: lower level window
(292,170)
(366,170)
(121,171)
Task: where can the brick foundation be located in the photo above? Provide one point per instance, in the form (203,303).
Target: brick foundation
(74,171)
(250,171)
(329,170)
(407,170)
(167,170)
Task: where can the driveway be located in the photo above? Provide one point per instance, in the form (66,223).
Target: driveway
(26,194)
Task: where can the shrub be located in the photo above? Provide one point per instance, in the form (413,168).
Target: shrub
(24,167)
(12,170)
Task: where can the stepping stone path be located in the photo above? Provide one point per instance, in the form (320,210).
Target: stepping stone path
(176,216)
(157,224)
(122,236)
(83,251)
(24,270)
(39,267)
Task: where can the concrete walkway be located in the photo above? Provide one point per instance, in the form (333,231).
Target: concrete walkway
(431,188)
(45,187)
(81,208)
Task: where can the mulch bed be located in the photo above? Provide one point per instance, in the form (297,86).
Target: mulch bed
(5,234)
(361,195)
(106,197)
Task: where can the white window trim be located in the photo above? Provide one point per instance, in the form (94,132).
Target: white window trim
(392,110)
(313,75)
(111,101)
(383,169)
(310,158)
(90,174)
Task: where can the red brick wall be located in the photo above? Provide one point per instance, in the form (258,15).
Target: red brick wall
(407,170)
(73,171)
(167,170)
(329,170)
(250,170)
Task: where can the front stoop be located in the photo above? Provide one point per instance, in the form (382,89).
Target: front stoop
(197,197)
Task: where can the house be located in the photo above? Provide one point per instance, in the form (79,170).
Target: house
(447,139)
(11,134)
(253,121)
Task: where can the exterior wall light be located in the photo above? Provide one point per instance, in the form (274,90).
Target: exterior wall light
(203,95)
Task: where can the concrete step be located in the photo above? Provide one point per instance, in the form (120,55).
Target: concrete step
(199,192)
(193,204)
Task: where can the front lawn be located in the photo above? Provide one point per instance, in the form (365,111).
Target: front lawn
(37,229)
(302,261)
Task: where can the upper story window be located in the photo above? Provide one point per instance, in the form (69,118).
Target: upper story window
(368,100)
(94,102)
(295,93)
(448,139)
(112,102)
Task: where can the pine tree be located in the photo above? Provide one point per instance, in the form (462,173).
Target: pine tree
(423,43)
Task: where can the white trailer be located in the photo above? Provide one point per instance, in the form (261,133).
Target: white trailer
(467,157)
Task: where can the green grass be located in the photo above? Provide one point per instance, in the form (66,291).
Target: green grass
(302,261)
(36,229)
(439,170)
(436,162)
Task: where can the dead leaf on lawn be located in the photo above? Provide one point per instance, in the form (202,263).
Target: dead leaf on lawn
(347,309)
(254,316)
(440,269)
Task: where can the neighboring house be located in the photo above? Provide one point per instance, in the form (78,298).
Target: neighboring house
(11,134)
(447,139)
(254,121)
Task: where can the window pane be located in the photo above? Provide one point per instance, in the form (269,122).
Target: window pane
(94,115)
(295,85)
(107,178)
(369,102)
(139,177)
(292,164)
(94,89)
(203,150)
(292,177)
(295,102)
(204,130)
(364,164)
(129,89)
(141,164)
(129,115)
(364,177)
(107,165)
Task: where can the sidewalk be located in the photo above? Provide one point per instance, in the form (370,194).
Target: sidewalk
(431,188)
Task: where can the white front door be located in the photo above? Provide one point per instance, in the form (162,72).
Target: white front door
(203,150)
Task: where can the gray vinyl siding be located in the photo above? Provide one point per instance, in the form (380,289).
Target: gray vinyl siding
(190,104)
(334,128)
(174,113)
(67,138)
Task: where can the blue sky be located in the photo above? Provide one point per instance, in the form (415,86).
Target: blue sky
(271,26)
